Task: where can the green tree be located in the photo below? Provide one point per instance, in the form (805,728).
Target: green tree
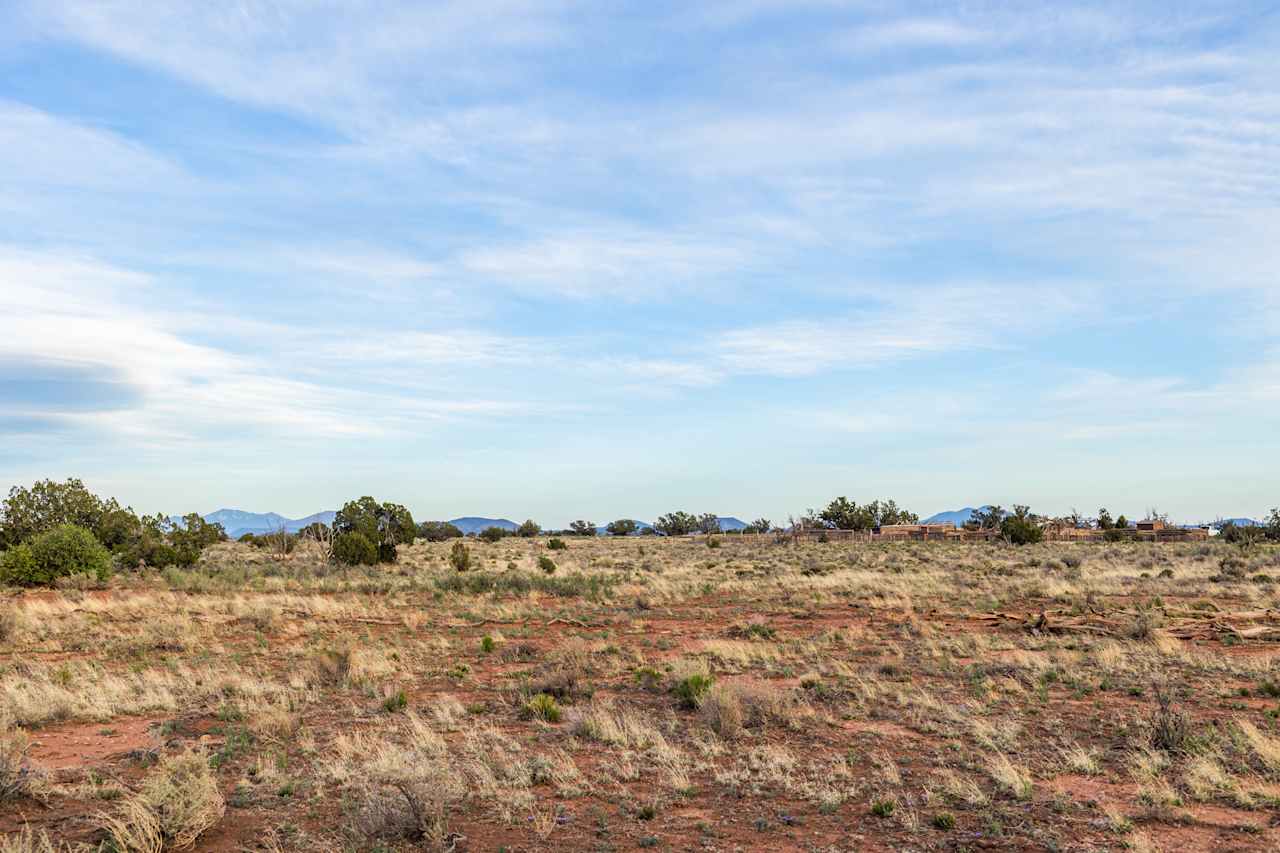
(708,523)
(989,517)
(59,552)
(354,549)
(1022,527)
(438,531)
(676,524)
(1105,521)
(192,536)
(385,525)
(888,512)
(621,527)
(494,534)
(150,546)
(582,527)
(49,504)
(460,556)
(317,531)
(117,526)
(760,525)
(1273,526)
(843,514)
(529,529)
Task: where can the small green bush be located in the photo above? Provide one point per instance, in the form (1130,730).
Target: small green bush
(487,644)
(459,557)
(17,562)
(944,821)
(542,707)
(397,701)
(493,534)
(438,531)
(65,550)
(595,587)
(557,544)
(547,564)
(883,808)
(693,689)
(1021,531)
(354,549)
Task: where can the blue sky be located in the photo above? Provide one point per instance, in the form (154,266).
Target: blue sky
(558,260)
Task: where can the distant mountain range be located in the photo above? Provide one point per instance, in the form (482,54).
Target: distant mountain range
(958,517)
(238,522)
(474,523)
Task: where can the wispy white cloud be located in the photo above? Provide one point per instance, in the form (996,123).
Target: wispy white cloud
(38,149)
(627,263)
(897,326)
(80,313)
(911,33)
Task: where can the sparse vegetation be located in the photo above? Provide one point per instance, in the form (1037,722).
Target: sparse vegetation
(177,803)
(460,557)
(970,688)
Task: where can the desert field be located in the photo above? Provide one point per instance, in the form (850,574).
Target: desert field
(684,694)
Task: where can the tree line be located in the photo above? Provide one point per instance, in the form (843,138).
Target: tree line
(52,530)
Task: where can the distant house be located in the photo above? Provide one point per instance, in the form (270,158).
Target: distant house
(1151,525)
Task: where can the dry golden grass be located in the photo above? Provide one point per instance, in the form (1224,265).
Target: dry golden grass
(177,803)
(841,675)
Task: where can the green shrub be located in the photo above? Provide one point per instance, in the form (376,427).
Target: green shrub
(17,562)
(582,527)
(693,689)
(438,531)
(621,527)
(557,545)
(1021,527)
(595,587)
(397,701)
(493,534)
(459,557)
(542,707)
(65,550)
(547,564)
(384,525)
(27,513)
(354,549)
(191,537)
(488,644)
(944,821)
(529,529)
(883,808)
